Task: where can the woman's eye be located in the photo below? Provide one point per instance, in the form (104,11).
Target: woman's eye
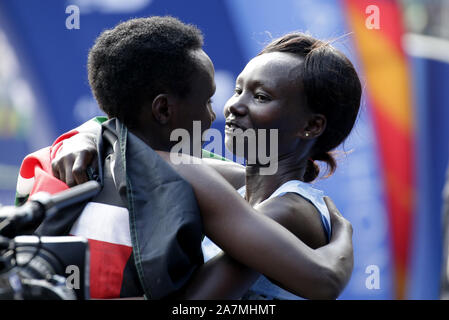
(261,98)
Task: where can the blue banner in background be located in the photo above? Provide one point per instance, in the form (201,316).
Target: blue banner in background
(25,125)
(429,60)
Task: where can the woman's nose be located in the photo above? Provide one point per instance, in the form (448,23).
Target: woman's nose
(236,107)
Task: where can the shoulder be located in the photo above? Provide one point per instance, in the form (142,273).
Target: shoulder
(234,173)
(187,165)
(297,215)
(201,177)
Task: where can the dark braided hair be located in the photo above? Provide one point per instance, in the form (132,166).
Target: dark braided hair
(332,88)
(139,59)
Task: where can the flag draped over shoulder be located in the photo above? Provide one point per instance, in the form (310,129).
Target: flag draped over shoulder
(155,237)
(35,172)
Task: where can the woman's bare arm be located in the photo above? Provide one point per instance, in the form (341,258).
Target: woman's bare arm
(80,151)
(257,241)
(222,277)
(338,270)
(232,172)
(219,278)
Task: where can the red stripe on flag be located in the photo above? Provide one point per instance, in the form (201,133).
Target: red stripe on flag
(59,141)
(35,159)
(107,264)
(46,182)
(66,135)
(42,158)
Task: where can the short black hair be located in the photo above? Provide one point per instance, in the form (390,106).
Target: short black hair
(139,59)
(331,87)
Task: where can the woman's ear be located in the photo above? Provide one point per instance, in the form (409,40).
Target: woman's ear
(161,108)
(314,127)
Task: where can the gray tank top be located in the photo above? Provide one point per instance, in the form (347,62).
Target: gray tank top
(263,289)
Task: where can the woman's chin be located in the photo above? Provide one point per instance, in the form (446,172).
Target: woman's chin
(239,150)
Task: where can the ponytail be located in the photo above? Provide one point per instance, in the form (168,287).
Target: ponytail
(313,170)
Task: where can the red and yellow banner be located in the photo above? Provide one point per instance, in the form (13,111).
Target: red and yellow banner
(388,89)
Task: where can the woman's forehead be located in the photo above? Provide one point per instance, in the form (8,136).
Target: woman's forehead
(274,69)
(273,63)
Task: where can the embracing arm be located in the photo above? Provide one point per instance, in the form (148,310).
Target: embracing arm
(232,172)
(78,151)
(256,240)
(219,278)
(320,273)
(339,251)
(222,277)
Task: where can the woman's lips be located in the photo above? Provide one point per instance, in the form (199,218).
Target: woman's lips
(230,127)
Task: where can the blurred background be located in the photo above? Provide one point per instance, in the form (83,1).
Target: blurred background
(392,168)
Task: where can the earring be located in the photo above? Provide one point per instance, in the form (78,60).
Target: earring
(307,134)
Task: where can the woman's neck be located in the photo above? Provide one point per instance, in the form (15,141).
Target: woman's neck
(260,187)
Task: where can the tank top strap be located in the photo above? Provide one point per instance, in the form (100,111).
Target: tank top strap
(305,190)
(263,288)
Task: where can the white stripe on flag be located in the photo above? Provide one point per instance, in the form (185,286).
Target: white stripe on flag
(103,222)
(24,186)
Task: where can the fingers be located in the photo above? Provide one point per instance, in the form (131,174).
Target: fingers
(333,211)
(69,180)
(58,166)
(331,206)
(59,170)
(72,168)
(62,169)
(337,219)
(80,165)
(73,159)
(55,169)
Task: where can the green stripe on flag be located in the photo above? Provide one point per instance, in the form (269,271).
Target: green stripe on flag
(208,154)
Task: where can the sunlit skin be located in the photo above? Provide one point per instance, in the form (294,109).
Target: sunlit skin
(269,95)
